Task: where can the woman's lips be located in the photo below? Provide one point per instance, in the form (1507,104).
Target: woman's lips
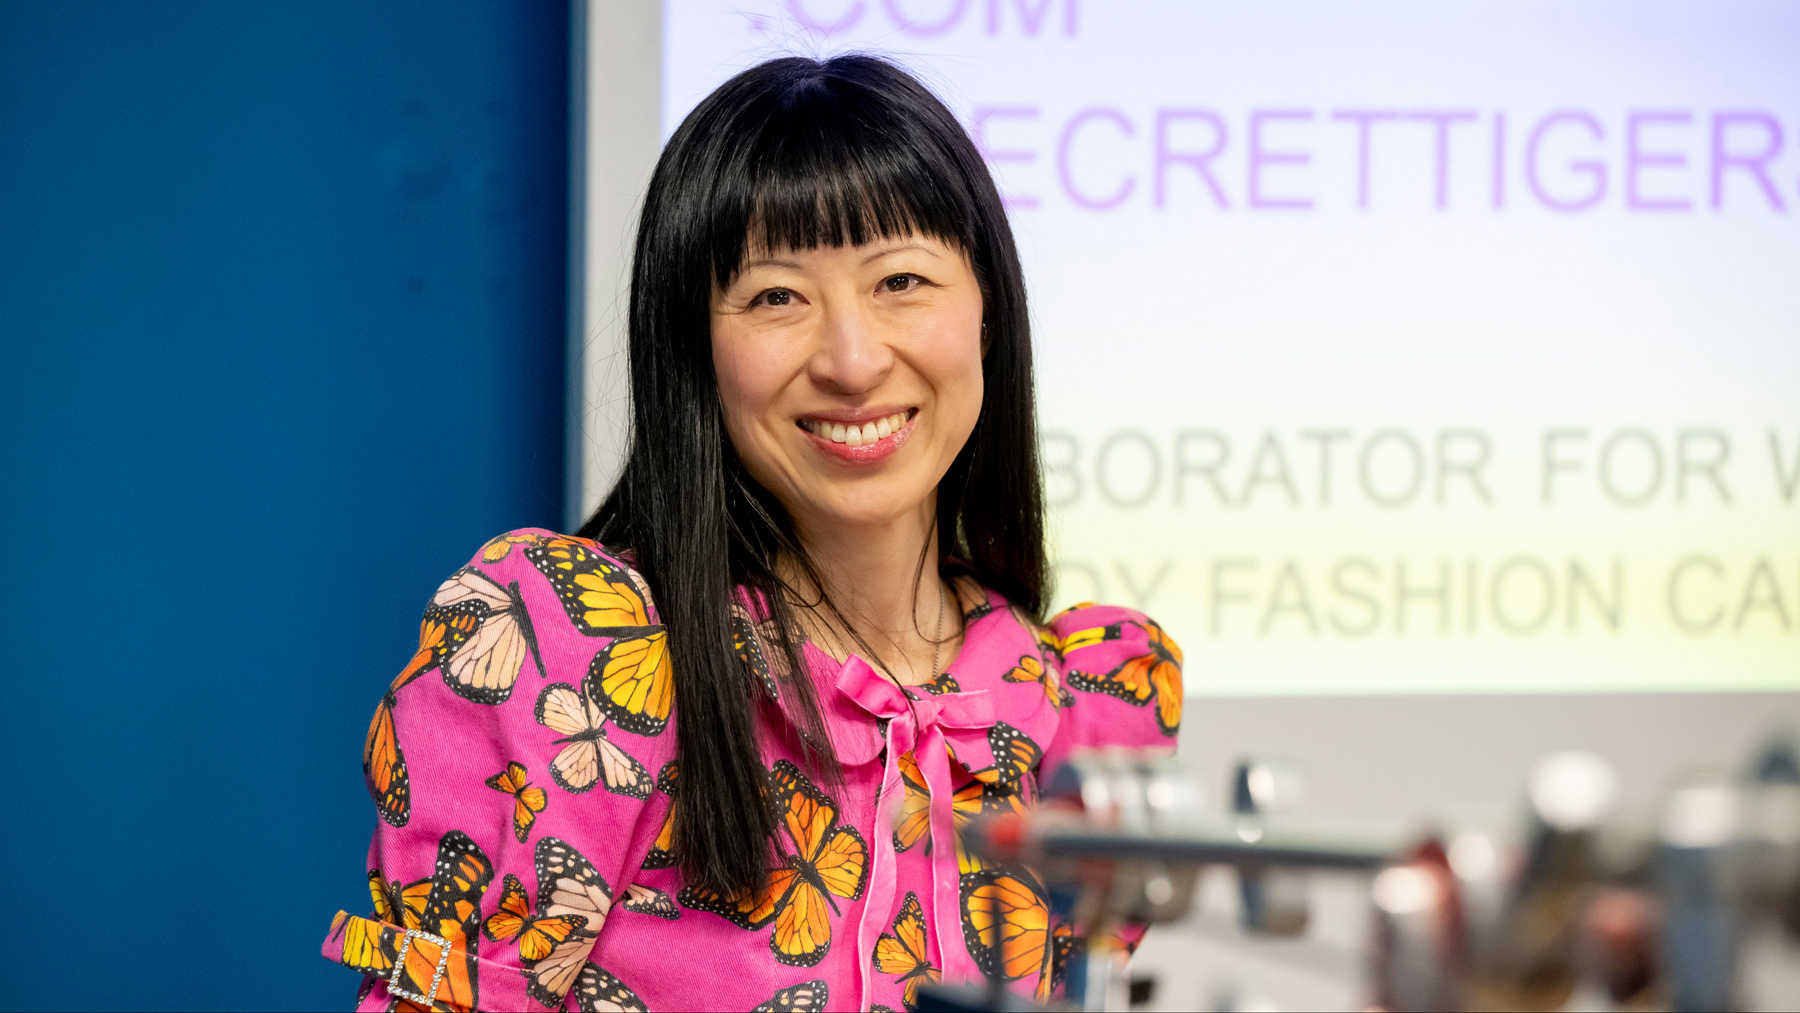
(863,442)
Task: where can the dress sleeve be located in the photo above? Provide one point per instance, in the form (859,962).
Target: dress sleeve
(1123,674)
(513,764)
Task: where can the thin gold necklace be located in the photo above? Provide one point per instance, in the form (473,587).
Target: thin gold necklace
(937,641)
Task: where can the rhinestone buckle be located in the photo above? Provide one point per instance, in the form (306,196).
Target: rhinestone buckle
(400,966)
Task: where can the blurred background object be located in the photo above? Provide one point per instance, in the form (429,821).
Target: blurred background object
(283,292)
(1428,372)
(1564,906)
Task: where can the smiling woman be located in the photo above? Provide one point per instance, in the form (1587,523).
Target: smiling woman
(803,343)
(832,491)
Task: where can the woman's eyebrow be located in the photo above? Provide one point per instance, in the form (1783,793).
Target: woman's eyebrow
(902,248)
(769,262)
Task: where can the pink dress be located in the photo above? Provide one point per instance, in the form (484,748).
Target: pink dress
(523,766)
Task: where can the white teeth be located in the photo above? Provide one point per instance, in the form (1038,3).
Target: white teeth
(854,435)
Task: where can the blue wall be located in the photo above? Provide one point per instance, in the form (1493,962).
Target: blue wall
(282,292)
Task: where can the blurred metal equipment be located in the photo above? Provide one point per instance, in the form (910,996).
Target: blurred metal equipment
(1772,826)
(1700,866)
(1462,917)
(1495,922)
(1120,838)
(1274,899)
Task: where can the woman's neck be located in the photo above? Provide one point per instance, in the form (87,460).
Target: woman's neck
(883,581)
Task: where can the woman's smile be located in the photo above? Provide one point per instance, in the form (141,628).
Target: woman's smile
(862,436)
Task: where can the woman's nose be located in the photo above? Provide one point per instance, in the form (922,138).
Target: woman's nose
(852,355)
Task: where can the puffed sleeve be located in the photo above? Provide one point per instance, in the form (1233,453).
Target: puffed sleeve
(513,764)
(1124,676)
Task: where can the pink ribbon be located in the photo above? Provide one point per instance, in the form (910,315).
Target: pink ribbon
(918,726)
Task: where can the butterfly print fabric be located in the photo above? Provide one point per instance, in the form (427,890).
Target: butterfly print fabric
(523,771)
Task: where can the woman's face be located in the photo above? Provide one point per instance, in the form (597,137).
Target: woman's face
(850,376)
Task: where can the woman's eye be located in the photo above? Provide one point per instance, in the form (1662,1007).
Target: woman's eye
(774,297)
(902,283)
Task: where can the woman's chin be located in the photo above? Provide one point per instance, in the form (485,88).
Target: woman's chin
(866,508)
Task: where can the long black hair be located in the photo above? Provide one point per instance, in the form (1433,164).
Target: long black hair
(806,153)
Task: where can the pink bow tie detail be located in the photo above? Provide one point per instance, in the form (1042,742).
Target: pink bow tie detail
(926,728)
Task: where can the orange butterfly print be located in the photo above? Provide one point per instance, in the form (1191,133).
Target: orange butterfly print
(648,900)
(1152,676)
(974,799)
(1006,926)
(527,800)
(662,851)
(828,860)
(568,885)
(630,678)
(598,991)
(587,756)
(538,935)
(978,797)
(500,547)
(806,997)
(401,905)
(483,663)
(913,822)
(364,948)
(384,765)
(600,594)
(944,683)
(1067,946)
(1049,645)
(1015,754)
(449,905)
(386,897)
(902,951)
(755,645)
(1030,669)
(979,610)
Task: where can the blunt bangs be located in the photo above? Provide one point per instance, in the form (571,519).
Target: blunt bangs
(824,161)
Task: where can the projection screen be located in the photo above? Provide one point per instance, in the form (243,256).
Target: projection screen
(1390,347)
